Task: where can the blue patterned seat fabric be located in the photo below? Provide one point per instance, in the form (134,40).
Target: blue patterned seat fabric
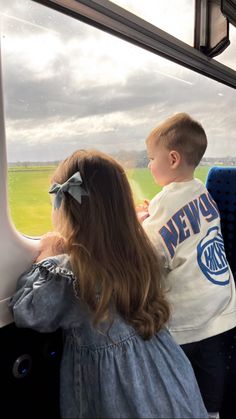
(221,183)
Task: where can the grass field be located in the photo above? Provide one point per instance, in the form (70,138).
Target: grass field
(30,206)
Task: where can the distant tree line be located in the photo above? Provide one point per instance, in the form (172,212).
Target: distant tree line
(134,158)
(33,163)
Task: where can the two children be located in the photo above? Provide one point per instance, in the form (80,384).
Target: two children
(101,282)
(183,223)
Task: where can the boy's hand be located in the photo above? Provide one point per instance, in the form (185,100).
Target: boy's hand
(142,215)
(142,211)
(51,244)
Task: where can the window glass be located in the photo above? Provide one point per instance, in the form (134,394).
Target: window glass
(228,57)
(177,18)
(173,16)
(68,85)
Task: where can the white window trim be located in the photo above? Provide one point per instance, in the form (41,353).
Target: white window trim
(16,251)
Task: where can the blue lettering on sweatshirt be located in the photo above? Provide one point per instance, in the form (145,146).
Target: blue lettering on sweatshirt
(211,257)
(192,212)
(186,221)
(170,237)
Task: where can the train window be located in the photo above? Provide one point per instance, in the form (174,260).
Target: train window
(68,85)
(165,15)
(228,57)
(177,18)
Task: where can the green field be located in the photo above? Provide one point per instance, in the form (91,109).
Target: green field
(30,206)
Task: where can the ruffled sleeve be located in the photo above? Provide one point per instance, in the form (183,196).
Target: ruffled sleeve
(45,299)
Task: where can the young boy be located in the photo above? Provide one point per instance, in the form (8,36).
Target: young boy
(183,223)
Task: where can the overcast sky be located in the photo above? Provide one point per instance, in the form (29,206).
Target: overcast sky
(68,85)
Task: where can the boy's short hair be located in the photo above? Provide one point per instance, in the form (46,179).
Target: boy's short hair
(181,133)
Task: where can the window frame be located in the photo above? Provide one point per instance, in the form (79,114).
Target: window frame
(117,21)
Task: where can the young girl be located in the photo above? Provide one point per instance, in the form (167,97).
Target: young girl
(101,282)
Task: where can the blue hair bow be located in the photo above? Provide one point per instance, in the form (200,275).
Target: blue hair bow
(72,186)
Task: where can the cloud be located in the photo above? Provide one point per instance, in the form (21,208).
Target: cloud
(68,86)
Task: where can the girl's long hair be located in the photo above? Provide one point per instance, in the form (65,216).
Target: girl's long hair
(117,269)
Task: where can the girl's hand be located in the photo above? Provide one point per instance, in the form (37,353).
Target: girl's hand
(51,244)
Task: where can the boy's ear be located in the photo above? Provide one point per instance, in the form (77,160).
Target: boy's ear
(174,159)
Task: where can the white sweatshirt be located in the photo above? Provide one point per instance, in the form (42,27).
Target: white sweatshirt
(184,225)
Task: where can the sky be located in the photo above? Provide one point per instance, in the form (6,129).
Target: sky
(68,85)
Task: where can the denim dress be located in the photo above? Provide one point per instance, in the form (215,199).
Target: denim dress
(111,372)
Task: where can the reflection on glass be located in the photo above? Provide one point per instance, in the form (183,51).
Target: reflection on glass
(68,86)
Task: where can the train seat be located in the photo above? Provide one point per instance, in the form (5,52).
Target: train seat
(221,183)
